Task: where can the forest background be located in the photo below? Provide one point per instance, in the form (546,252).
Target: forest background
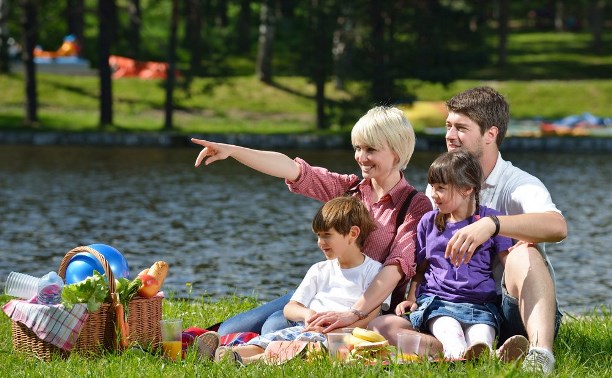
(275,66)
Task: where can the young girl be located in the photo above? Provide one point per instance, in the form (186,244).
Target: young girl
(456,303)
(341,226)
(383,140)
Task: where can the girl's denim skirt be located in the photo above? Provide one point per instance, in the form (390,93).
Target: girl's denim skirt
(465,313)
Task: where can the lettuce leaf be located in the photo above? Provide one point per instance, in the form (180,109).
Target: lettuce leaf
(92,291)
(126,290)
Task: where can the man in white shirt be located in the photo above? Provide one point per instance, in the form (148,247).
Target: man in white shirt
(477,121)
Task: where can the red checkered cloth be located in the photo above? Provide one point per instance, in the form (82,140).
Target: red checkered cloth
(53,324)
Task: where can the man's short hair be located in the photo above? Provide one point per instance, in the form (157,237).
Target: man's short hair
(485,106)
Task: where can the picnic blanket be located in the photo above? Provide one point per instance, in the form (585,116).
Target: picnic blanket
(231,339)
(53,324)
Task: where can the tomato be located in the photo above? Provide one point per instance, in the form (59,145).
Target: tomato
(149,286)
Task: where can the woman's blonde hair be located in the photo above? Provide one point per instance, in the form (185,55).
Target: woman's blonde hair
(386,126)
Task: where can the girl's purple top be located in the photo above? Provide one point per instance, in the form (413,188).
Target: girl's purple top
(472,282)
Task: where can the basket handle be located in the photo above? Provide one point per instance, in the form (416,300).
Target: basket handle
(107,269)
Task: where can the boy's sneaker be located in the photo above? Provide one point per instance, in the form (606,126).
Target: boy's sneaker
(225,353)
(539,360)
(207,344)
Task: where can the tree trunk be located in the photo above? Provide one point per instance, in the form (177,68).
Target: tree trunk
(76,24)
(4,36)
(135,15)
(30,31)
(502,48)
(221,17)
(287,8)
(106,14)
(169,106)
(377,51)
(193,34)
(244,27)
(343,39)
(318,62)
(266,40)
(559,10)
(596,10)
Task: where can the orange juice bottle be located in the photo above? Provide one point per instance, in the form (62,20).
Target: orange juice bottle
(173,349)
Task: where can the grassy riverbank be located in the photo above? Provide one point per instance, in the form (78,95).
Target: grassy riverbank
(548,75)
(582,349)
(244,105)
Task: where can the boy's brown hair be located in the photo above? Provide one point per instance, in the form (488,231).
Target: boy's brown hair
(341,214)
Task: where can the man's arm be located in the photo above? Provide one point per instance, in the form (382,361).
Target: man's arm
(531,227)
(549,227)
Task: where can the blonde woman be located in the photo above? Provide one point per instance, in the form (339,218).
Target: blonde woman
(383,141)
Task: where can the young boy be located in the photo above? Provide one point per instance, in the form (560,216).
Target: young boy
(341,226)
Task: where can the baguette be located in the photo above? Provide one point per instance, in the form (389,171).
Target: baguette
(159,270)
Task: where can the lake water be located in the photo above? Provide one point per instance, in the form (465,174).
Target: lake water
(227,230)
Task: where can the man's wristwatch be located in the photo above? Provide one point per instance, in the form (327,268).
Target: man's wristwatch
(360,314)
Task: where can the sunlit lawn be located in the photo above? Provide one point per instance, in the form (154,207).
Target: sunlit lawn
(583,349)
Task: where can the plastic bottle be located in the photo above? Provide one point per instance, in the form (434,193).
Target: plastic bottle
(50,289)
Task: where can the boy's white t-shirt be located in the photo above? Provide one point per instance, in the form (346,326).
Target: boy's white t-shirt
(327,287)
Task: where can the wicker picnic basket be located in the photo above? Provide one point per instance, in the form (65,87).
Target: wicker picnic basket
(98,333)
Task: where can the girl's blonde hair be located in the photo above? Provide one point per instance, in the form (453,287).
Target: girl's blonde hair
(386,126)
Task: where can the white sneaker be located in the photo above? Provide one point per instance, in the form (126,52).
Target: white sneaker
(539,360)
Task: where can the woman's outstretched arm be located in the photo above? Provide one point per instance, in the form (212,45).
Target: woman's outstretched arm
(269,162)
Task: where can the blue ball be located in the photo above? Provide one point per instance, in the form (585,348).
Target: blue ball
(82,265)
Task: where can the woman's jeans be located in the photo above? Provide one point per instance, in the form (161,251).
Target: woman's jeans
(263,319)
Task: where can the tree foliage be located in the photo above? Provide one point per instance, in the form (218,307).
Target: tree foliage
(371,41)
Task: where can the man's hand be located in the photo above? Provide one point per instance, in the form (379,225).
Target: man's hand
(462,245)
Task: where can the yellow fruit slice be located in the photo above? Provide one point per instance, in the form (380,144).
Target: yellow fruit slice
(368,335)
(354,340)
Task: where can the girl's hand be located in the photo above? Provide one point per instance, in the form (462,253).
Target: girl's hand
(405,306)
(211,151)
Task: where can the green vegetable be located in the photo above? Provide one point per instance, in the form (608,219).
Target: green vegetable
(126,290)
(92,291)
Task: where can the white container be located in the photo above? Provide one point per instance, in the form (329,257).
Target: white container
(21,285)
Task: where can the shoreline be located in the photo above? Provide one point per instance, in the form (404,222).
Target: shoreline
(580,144)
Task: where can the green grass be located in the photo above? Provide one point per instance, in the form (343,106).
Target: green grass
(582,349)
(546,56)
(244,105)
(548,75)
